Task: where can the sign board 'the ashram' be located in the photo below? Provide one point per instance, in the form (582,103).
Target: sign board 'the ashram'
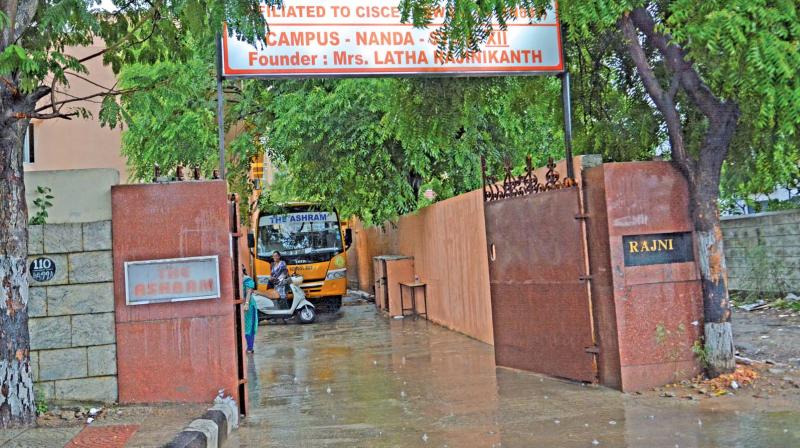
(365,38)
(172,280)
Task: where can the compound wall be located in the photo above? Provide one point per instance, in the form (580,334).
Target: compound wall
(73,343)
(448,243)
(763,251)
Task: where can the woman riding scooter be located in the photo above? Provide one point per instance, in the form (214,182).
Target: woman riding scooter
(279,279)
(257,305)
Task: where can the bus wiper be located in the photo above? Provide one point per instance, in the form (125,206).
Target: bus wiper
(326,249)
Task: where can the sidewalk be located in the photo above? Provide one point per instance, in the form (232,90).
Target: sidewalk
(118,426)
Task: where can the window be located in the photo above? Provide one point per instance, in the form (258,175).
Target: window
(28,147)
(301,238)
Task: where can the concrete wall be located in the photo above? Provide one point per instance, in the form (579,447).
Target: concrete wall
(73,343)
(448,243)
(79,195)
(778,234)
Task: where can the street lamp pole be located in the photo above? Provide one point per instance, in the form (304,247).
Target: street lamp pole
(220,110)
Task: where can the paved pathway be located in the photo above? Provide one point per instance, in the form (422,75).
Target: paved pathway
(136,426)
(360,380)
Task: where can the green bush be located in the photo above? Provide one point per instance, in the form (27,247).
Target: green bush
(42,204)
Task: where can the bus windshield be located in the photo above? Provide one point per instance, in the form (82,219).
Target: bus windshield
(301,238)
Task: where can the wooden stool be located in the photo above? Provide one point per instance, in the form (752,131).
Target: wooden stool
(413,286)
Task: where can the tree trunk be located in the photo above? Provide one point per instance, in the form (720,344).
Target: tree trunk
(704,197)
(714,275)
(16,378)
(702,174)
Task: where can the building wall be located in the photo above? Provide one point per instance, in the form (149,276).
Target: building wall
(750,238)
(78,195)
(73,343)
(79,143)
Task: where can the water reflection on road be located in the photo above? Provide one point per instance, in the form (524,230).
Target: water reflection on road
(357,379)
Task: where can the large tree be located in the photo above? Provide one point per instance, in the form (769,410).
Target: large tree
(723,75)
(35,66)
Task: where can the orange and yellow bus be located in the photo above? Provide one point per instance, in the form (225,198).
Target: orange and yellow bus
(312,241)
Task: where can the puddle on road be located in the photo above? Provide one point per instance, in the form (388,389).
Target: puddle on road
(361,380)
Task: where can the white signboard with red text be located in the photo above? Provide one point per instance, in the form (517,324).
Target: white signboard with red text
(324,38)
(171,280)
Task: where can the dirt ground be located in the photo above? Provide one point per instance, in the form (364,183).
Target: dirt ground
(768,372)
(768,335)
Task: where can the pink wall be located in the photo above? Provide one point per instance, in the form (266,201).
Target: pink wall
(79,143)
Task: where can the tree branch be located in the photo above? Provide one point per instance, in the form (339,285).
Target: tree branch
(674,85)
(83,78)
(722,116)
(675,59)
(39,93)
(20,17)
(663,100)
(84,98)
(122,41)
(29,115)
(11,12)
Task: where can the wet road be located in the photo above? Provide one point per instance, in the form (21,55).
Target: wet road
(359,380)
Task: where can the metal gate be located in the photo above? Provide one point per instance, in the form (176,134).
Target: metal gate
(235,235)
(541,305)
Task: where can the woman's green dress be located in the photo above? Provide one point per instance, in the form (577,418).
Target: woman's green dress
(251,313)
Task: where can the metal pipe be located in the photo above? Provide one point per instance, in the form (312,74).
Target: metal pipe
(220,110)
(567,102)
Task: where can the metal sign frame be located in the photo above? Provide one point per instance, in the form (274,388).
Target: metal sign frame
(563,75)
(215,258)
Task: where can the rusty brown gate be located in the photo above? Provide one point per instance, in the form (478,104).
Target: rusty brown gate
(541,305)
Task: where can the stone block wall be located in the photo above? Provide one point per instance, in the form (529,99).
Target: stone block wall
(72,323)
(772,238)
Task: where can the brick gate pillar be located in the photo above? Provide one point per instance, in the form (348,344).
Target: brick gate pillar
(646,291)
(181,351)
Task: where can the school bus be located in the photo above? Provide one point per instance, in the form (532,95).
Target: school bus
(312,241)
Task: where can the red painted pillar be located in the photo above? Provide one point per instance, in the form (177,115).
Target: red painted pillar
(646,291)
(182,351)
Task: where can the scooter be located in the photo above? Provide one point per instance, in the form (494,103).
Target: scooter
(268,308)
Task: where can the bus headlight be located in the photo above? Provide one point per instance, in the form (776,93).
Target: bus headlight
(336,274)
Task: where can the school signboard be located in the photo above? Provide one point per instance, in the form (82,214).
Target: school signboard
(330,38)
(171,280)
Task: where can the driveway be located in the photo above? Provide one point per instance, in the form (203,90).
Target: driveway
(357,379)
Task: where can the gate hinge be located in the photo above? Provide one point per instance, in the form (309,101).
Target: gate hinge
(593,349)
(582,216)
(584,278)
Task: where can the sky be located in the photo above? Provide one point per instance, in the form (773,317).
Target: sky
(108,5)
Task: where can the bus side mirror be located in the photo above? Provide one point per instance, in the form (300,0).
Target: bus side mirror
(251,240)
(348,238)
